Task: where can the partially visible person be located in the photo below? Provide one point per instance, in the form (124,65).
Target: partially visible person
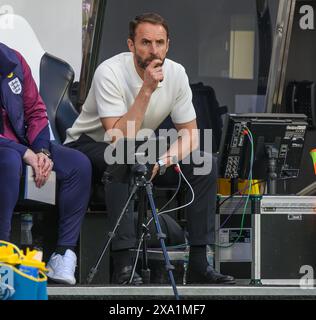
(25,140)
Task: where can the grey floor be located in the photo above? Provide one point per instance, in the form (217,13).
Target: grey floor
(185,292)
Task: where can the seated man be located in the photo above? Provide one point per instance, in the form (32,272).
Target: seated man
(141,88)
(25,140)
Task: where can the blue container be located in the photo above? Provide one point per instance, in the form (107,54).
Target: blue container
(26,286)
(31,271)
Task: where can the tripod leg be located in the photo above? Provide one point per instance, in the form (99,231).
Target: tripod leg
(145,267)
(141,228)
(94,269)
(161,237)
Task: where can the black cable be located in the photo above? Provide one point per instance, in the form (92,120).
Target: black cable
(238,205)
(176,192)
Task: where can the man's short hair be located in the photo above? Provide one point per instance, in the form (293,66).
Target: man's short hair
(150,17)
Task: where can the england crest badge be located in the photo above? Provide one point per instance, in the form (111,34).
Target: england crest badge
(15,86)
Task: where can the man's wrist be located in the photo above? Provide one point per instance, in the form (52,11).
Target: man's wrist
(162,166)
(46,152)
(169,160)
(147,91)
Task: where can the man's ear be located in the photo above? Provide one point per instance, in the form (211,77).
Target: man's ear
(130,44)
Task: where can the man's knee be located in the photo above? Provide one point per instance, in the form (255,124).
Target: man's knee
(82,164)
(71,161)
(95,153)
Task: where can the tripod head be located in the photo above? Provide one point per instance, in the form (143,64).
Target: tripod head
(139,170)
(125,172)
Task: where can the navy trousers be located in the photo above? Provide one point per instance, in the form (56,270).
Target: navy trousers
(73,174)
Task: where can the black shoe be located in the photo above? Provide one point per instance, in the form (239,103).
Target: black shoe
(123,276)
(210,276)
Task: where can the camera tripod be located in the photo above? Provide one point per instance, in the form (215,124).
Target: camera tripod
(140,182)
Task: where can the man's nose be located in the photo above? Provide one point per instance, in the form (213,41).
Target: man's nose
(153,49)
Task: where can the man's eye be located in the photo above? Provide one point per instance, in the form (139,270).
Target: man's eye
(145,42)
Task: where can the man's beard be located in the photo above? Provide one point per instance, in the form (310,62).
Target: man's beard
(144,63)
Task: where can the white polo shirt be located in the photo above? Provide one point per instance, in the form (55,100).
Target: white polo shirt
(114,88)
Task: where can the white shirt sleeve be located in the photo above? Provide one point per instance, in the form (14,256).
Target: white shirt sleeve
(183,110)
(109,100)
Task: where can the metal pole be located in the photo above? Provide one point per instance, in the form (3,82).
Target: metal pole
(281,43)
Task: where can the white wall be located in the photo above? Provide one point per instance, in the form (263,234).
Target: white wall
(57,24)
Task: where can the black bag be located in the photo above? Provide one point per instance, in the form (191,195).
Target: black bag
(175,234)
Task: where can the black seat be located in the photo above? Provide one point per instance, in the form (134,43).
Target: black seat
(55,90)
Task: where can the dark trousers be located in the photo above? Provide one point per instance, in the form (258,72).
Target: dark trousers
(201,213)
(73,174)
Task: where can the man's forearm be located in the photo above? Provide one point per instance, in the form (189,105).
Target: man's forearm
(181,148)
(134,115)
